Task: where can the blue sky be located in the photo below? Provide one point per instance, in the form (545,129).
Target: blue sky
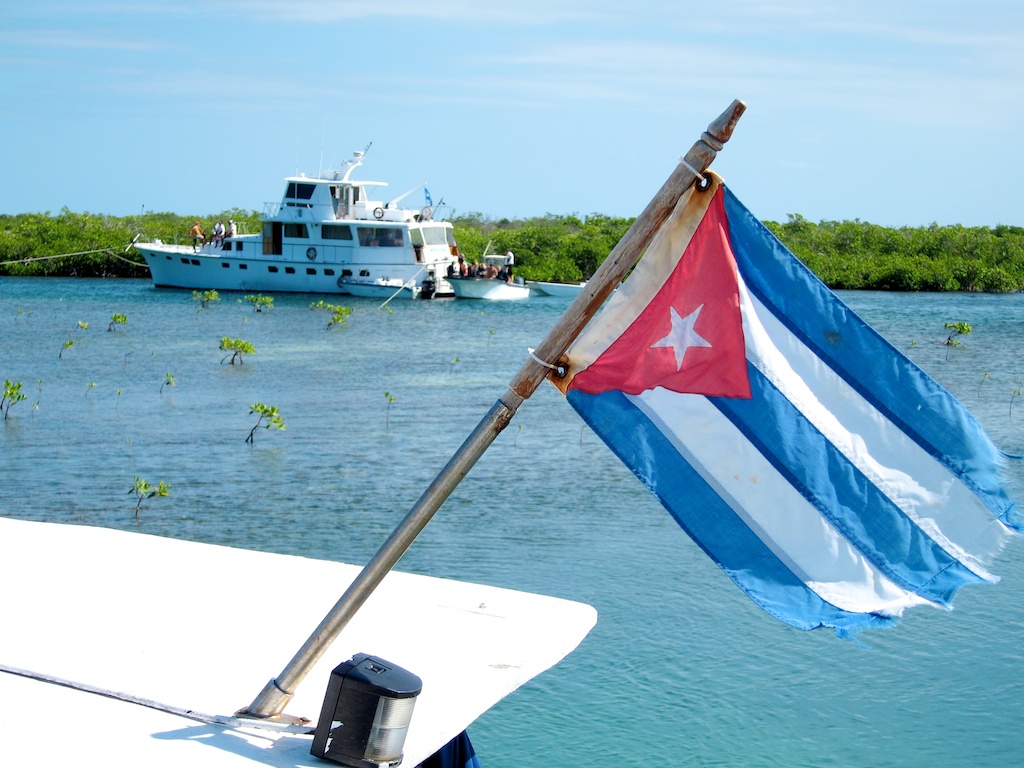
(897,113)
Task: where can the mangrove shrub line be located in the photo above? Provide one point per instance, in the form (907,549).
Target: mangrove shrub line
(844,254)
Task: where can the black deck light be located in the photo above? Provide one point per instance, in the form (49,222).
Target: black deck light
(366,713)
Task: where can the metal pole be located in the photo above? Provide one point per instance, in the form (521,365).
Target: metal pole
(276,694)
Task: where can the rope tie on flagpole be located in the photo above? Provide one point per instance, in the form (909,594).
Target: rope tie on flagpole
(560,370)
(691,169)
(545,363)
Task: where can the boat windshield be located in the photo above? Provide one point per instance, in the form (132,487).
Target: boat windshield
(431,236)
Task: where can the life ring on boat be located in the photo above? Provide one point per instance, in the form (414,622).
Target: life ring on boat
(426,213)
(378,213)
(311,254)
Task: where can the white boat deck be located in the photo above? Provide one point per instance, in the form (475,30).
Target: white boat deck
(203,628)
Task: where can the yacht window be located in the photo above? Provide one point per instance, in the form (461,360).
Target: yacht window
(243,266)
(364,273)
(329,272)
(271,269)
(435,236)
(384,237)
(336,232)
(296,230)
(310,271)
(298,191)
(346,273)
(416,235)
(289,270)
(225,265)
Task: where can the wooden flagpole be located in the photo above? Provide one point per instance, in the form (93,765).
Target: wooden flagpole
(278,692)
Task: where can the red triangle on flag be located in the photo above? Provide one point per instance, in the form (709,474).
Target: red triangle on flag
(689,338)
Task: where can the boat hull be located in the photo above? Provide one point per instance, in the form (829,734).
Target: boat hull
(562,290)
(393,288)
(176,266)
(381,290)
(488,289)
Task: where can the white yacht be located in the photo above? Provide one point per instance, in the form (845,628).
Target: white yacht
(325,236)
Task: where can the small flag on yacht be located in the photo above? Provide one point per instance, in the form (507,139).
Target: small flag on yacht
(826,474)
(426,194)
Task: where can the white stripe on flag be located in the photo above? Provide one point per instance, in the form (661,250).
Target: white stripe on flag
(925,490)
(767,502)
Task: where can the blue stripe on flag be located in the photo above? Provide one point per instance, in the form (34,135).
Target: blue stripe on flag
(893,384)
(841,493)
(708,519)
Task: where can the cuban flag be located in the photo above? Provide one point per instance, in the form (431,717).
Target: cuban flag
(834,481)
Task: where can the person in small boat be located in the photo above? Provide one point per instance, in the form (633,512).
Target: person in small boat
(491,272)
(198,236)
(463,267)
(510,261)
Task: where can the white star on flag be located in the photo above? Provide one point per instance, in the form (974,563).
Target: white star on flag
(682,336)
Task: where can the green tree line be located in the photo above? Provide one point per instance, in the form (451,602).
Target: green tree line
(566,248)
(857,255)
(92,245)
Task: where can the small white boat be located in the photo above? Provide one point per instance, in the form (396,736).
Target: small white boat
(386,288)
(325,236)
(488,288)
(566,290)
(491,288)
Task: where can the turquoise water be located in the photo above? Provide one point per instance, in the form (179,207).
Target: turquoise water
(681,668)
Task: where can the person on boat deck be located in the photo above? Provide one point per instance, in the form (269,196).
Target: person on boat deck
(510,261)
(198,236)
(492,271)
(463,267)
(232,228)
(218,233)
